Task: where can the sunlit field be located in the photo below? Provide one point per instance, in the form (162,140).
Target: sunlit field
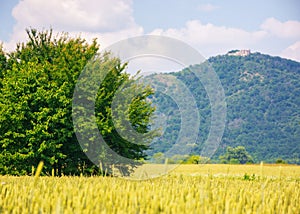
(268,170)
(186,189)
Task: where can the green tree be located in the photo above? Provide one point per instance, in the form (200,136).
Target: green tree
(36,103)
(280,161)
(176,159)
(236,155)
(196,159)
(122,115)
(159,157)
(36,106)
(3,62)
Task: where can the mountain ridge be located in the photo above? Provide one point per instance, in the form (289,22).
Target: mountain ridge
(263,99)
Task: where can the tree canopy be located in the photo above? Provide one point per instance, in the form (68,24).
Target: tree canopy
(36,90)
(237,155)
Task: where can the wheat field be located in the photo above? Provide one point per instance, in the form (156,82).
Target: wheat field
(186,189)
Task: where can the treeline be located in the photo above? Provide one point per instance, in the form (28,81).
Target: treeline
(237,155)
(233,155)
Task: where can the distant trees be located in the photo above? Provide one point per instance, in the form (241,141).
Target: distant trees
(196,159)
(236,155)
(160,158)
(280,161)
(36,90)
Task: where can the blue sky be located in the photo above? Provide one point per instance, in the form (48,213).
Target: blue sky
(212,27)
(231,13)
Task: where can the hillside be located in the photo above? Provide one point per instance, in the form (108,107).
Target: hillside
(263,100)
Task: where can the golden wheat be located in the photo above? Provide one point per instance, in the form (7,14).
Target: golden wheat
(187,189)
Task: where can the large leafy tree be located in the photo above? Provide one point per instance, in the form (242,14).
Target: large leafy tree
(36,106)
(122,115)
(236,155)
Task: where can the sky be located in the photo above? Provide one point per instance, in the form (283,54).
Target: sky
(212,27)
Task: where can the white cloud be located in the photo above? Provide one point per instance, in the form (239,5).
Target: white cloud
(212,40)
(107,38)
(288,29)
(207,7)
(70,15)
(292,52)
(107,20)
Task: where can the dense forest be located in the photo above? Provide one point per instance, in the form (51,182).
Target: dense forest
(263,99)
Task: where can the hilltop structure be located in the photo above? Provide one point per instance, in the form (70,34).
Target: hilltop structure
(239,53)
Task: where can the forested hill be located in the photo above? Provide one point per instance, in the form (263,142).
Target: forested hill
(263,107)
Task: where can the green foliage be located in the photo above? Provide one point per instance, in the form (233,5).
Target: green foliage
(3,63)
(249,177)
(196,159)
(263,114)
(36,106)
(237,155)
(280,161)
(120,108)
(177,159)
(158,157)
(233,51)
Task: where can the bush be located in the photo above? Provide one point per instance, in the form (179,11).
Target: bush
(280,161)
